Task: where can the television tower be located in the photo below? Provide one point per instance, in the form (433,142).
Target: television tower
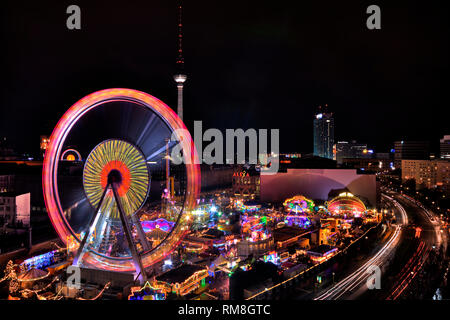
(180,77)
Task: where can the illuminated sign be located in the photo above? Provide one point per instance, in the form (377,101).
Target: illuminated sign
(241,174)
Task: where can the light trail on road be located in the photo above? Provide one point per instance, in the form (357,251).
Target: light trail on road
(420,256)
(410,270)
(360,276)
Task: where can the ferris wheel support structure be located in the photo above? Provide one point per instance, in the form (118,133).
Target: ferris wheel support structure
(137,261)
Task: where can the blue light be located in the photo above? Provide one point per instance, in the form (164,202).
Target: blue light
(168,262)
(41,261)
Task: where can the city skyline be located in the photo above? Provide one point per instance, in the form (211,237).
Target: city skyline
(224,151)
(238,72)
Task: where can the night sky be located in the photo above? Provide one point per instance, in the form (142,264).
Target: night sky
(250,64)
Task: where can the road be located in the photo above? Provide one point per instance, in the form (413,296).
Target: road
(429,238)
(355,284)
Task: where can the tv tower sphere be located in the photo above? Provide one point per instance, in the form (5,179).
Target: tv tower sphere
(180,78)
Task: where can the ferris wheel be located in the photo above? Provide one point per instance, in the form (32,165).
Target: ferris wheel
(128,180)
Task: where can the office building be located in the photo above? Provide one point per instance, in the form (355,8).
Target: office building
(410,150)
(324,135)
(427,173)
(351,150)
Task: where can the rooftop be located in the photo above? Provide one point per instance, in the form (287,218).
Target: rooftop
(213,234)
(322,249)
(285,233)
(180,274)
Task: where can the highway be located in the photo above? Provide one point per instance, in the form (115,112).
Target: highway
(429,238)
(355,283)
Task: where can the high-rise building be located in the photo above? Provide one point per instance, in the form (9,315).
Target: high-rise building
(410,150)
(180,77)
(324,135)
(445,147)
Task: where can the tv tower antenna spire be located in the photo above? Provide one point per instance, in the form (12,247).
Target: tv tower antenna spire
(180,77)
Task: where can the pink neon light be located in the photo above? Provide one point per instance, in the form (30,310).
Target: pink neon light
(53,154)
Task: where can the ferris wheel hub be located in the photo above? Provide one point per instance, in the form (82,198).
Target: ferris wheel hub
(114,176)
(119,163)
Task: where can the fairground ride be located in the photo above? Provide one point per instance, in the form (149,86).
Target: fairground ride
(127,139)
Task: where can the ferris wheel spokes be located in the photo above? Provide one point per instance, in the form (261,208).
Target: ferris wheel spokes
(139,267)
(89,230)
(137,261)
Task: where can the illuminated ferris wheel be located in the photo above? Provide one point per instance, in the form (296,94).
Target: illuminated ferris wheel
(111,205)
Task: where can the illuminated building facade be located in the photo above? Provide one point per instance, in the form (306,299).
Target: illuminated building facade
(321,253)
(329,230)
(181,280)
(324,135)
(427,173)
(246,184)
(367,164)
(147,292)
(352,149)
(321,236)
(410,150)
